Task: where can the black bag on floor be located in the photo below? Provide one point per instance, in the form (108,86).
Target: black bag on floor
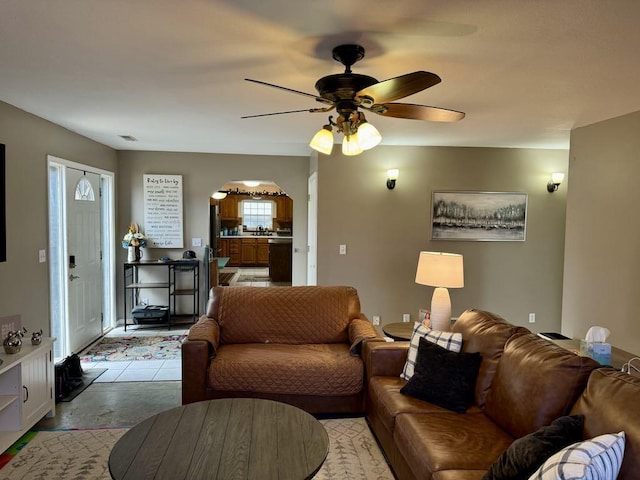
(68,376)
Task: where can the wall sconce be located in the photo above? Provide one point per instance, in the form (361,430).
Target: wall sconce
(554,183)
(392,176)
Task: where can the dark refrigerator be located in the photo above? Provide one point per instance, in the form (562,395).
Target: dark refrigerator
(213,249)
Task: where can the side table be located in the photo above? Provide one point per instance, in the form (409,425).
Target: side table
(399,330)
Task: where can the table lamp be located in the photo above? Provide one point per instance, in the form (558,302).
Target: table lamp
(440,270)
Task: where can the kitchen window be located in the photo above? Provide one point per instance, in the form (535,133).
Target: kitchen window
(257,214)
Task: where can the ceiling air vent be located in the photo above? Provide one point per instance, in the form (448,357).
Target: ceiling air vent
(128,138)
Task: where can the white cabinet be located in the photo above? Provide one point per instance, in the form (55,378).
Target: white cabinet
(26,390)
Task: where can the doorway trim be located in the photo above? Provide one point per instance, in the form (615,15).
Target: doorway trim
(58,267)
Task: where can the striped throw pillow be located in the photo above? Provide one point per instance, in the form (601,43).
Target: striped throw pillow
(597,459)
(448,340)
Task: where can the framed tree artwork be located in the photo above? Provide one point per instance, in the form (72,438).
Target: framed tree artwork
(479,216)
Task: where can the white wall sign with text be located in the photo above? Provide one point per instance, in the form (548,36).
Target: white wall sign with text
(163,211)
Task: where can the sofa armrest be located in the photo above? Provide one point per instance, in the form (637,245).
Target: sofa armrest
(361,331)
(206,329)
(385,359)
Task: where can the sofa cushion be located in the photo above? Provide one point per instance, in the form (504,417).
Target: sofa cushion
(610,404)
(536,382)
(443,377)
(324,369)
(448,340)
(595,459)
(525,455)
(385,399)
(487,333)
(292,315)
(448,441)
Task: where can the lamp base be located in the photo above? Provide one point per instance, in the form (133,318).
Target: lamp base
(441,310)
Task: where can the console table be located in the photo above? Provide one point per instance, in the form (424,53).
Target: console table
(133,285)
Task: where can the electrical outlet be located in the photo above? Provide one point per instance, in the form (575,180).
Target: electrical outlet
(532,318)
(42,256)
(144,301)
(196,242)
(343,249)
(406,317)
(376,320)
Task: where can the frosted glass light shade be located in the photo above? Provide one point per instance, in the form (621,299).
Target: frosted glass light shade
(219,195)
(368,136)
(322,141)
(351,145)
(557,177)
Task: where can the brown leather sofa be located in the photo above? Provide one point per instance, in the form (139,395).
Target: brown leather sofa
(298,345)
(524,383)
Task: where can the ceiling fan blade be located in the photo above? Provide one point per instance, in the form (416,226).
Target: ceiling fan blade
(417,112)
(308,110)
(399,87)
(319,99)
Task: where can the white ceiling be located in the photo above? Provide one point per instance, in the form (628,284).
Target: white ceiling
(170,72)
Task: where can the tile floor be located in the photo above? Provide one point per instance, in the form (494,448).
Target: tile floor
(160,370)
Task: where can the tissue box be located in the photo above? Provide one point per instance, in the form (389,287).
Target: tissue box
(600,352)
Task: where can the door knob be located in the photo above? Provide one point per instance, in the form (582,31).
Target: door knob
(72,277)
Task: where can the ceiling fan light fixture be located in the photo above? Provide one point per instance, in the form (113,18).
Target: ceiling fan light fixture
(251,183)
(323,140)
(368,136)
(351,145)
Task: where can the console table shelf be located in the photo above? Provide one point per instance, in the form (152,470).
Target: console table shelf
(191,286)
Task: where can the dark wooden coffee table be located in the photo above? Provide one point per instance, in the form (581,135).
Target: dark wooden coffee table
(221,439)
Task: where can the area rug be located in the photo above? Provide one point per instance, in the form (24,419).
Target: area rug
(144,347)
(83,454)
(63,454)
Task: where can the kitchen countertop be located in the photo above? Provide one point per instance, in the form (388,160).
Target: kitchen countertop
(290,237)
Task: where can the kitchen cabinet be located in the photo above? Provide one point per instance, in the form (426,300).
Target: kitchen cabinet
(234,252)
(284,209)
(26,390)
(229,208)
(262,252)
(255,252)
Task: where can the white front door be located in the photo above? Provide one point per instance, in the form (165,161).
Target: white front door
(84,278)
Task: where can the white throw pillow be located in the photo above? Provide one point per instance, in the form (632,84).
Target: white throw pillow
(597,459)
(448,340)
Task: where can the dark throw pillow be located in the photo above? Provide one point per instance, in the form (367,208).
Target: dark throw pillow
(442,377)
(526,454)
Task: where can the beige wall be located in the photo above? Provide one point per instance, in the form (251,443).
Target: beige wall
(24,287)
(385,229)
(601,285)
(202,175)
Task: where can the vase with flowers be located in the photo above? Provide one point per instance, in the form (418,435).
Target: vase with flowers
(133,240)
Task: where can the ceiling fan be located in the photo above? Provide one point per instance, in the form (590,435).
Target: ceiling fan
(349,92)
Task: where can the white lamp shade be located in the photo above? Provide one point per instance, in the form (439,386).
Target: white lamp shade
(392,174)
(351,145)
(322,141)
(557,177)
(438,269)
(368,136)
(219,195)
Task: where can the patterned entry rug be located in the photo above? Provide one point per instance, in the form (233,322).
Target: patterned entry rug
(144,347)
(83,454)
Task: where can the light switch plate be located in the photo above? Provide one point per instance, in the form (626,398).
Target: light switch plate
(42,256)
(196,242)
